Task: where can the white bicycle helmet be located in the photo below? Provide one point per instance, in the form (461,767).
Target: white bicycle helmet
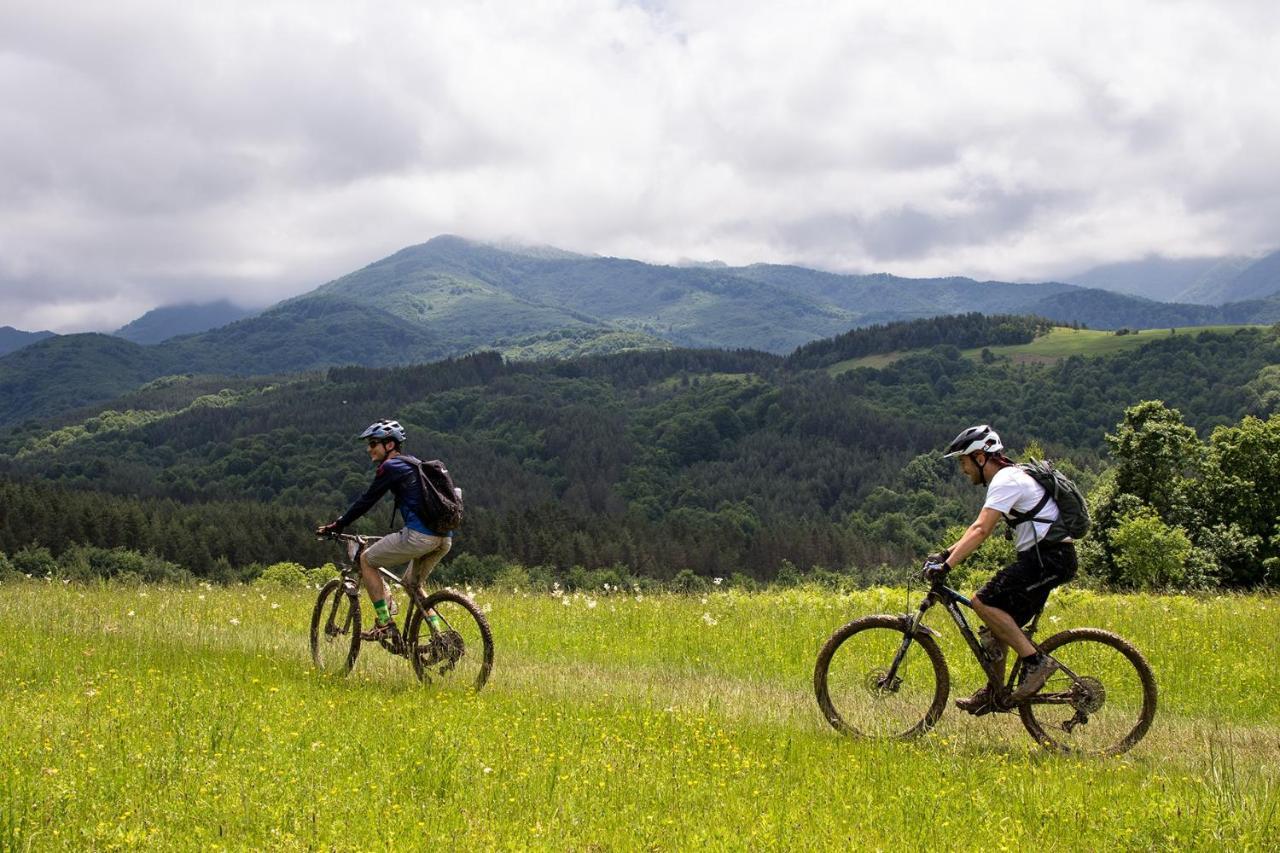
(975,438)
(385,430)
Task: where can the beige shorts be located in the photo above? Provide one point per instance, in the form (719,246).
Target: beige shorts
(419,550)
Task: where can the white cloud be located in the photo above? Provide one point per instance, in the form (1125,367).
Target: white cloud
(157,152)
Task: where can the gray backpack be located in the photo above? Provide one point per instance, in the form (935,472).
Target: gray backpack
(1073,512)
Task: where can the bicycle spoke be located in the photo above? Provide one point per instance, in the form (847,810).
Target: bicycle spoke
(1103,706)
(452,643)
(860,696)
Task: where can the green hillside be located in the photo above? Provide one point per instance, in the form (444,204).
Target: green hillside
(1055,344)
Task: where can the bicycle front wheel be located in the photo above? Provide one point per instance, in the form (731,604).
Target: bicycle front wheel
(1105,708)
(335,629)
(450,641)
(859,696)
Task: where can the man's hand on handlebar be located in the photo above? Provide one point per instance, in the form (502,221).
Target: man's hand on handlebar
(328,529)
(936,566)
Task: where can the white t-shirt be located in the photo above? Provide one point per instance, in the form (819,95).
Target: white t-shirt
(1013,489)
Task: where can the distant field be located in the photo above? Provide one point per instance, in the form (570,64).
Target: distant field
(167,718)
(1061,342)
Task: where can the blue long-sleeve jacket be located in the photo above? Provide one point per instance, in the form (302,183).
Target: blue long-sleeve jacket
(401,479)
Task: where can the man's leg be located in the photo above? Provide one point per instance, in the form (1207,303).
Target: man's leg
(377,590)
(1003,626)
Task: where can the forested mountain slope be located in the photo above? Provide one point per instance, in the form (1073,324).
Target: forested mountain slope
(720,461)
(450,296)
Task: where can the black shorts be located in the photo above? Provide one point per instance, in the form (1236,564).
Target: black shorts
(1021,588)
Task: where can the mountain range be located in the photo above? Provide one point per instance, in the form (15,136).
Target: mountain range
(451,296)
(1199,281)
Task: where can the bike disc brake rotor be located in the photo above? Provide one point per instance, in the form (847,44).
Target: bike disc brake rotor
(878,683)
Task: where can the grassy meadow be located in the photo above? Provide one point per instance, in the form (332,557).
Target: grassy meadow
(190,718)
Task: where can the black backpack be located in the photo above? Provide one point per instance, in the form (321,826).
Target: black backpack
(1073,512)
(442,500)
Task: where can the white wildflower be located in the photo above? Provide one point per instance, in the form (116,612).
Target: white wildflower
(709,619)
(130,613)
(717,581)
(234,620)
(275,605)
(591,602)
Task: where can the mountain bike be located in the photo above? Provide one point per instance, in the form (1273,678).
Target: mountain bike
(885,676)
(446,637)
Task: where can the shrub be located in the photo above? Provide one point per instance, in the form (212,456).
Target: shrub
(686,581)
(513,577)
(284,576)
(87,562)
(36,562)
(7,570)
(743,583)
(1148,553)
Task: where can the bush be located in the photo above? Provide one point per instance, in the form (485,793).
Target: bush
(284,576)
(686,581)
(86,562)
(743,583)
(7,570)
(513,577)
(1149,554)
(36,562)
(467,568)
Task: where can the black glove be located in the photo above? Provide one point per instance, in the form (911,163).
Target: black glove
(327,529)
(934,570)
(939,557)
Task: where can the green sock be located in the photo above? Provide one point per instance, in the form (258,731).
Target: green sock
(380,611)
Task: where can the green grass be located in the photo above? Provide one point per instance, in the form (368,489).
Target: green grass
(171,718)
(1059,343)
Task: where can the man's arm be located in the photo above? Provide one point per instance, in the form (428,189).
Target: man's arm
(977,533)
(381,482)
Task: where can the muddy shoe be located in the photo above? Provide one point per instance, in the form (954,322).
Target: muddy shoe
(979,703)
(386,631)
(1033,678)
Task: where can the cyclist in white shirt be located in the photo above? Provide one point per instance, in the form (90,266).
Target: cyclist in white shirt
(1018,591)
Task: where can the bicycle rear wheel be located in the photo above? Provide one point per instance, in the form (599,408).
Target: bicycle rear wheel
(1106,709)
(335,629)
(854,689)
(456,647)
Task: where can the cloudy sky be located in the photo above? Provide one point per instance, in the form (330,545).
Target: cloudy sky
(156,152)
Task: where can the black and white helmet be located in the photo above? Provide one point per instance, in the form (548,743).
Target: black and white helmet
(972,440)
(385,430)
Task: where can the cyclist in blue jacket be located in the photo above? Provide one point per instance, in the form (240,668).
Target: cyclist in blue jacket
(415,543)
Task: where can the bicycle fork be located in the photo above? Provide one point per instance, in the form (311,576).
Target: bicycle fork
(890,680)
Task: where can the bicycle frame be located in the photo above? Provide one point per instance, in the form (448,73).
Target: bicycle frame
(951,600)
(351,578)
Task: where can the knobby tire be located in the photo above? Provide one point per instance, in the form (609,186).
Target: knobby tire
(897,625)
(324,645)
